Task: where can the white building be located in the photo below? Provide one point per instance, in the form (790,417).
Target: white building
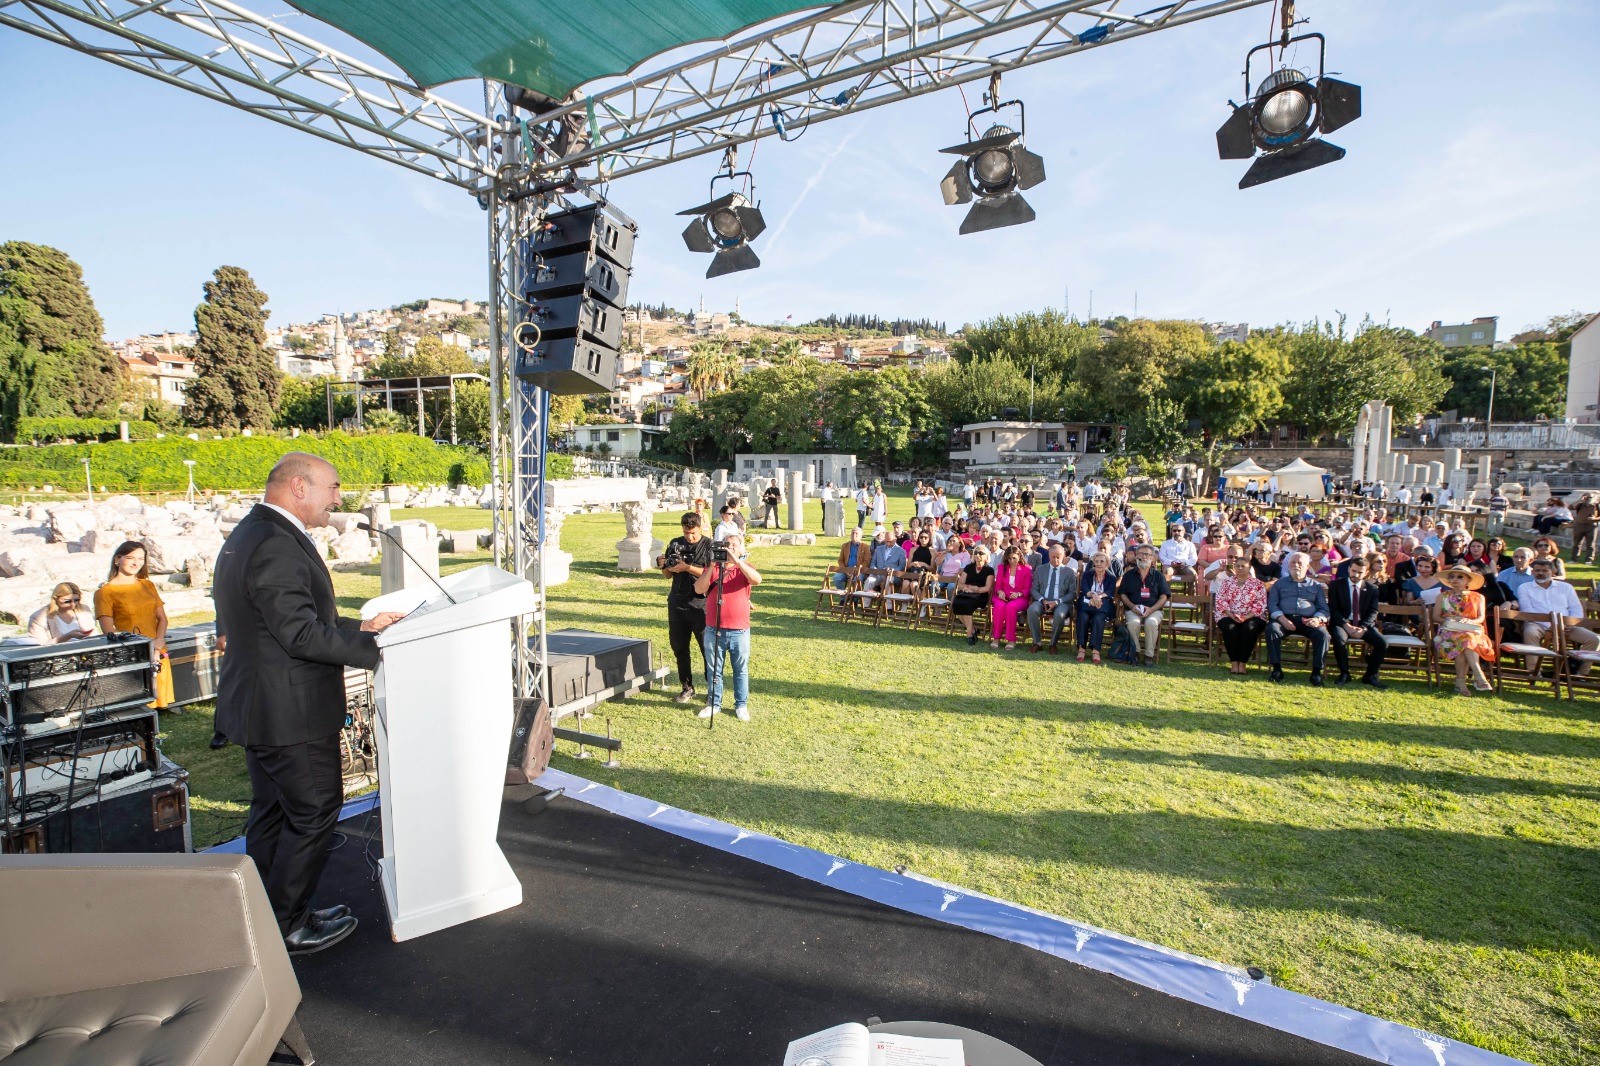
(625,440)
(1583,374)
(1228,331)
(818,468)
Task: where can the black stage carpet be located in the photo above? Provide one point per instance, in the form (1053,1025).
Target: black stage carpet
(634,947)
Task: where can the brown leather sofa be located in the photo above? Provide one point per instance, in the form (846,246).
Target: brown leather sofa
(120,960)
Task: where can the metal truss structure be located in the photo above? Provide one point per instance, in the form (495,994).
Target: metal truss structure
(774,80)
(777,81)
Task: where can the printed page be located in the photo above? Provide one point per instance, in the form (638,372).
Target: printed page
(891,1050)
(843,1045)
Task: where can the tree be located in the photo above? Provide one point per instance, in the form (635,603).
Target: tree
(711,367)
(1133,368)
(472,412)
(46,310)
(881,414)
(785,413)
(976,391)
(236,381)
(791,353)
(1231,392)
(1530,381)
(1158,432)
(430,357)
(1331,377)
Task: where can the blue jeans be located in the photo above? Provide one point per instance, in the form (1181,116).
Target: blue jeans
(727,649)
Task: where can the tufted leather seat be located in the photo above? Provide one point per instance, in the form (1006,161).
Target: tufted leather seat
(139,960)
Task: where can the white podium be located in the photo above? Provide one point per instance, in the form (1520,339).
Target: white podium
(443,727)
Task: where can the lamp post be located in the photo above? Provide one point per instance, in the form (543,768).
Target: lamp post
(1488,422)
(88,481)
(190,494)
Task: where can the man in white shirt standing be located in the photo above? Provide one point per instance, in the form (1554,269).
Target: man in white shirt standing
(1272,491)
(1544,595)
(863,504)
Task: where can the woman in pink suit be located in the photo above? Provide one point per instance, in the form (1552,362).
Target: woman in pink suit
(1012,583)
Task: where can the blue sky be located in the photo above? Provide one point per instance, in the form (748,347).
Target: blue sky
(1472,187)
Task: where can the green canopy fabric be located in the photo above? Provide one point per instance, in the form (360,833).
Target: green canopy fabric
(550,46)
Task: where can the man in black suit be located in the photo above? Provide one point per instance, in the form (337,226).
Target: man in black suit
(1353,615)
(280,694)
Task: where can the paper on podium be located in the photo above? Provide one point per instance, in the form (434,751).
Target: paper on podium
(482,594)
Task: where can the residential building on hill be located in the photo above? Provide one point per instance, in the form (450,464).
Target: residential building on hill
(157,375)
(1479,333)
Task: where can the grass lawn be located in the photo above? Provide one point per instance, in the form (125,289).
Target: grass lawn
(1428,858)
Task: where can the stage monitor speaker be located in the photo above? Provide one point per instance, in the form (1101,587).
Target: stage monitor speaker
(584,228)
(580,271)
(568,366)
(532,740)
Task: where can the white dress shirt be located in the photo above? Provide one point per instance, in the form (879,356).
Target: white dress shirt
(1558,597)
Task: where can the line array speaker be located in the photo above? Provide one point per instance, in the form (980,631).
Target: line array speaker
(576,272)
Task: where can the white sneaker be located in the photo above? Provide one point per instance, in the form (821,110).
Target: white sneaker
(707,711)
(742,713)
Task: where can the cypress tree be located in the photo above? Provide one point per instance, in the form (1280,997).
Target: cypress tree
(50,327)
(236,380)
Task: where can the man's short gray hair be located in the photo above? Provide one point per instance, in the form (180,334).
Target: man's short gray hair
(1288,560)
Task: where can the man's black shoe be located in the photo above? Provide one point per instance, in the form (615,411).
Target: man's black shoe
(310,939)
(1342,679)
(218,741)
(1316,680)
(1372,679)
(327,914)
(1275,675)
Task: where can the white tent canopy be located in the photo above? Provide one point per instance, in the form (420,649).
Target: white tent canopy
(1300,478)
(1247,471)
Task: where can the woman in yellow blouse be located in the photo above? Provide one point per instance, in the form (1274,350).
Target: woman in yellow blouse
(129,603)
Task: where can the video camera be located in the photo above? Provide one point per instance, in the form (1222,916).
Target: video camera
(720,553)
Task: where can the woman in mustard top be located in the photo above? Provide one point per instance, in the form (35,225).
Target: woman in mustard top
(129,603)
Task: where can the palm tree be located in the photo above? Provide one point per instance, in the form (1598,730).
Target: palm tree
(711,367)
(791,353)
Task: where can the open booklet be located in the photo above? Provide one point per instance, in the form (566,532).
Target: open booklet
(851,1044)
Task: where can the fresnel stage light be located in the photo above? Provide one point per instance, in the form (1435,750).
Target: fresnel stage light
(993,169)
(726,225)
(1284,115)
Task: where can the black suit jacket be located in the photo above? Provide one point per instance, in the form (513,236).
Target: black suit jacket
(282,676)
(1342,612)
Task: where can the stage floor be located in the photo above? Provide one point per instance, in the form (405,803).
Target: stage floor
(636,947)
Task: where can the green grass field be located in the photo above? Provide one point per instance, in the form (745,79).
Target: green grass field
(1427,858)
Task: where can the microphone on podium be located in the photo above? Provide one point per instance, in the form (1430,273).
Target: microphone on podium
(364,522)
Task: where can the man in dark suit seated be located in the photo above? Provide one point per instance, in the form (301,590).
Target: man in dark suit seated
(280,693)
(1353,615)
(1055,587)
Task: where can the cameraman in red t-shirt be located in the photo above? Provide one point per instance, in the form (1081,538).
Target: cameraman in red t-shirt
(726,585)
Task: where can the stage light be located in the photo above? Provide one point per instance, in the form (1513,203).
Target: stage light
(725,227)
(994,170)
(1282,118)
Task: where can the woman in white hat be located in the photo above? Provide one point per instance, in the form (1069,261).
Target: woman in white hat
(1460,635)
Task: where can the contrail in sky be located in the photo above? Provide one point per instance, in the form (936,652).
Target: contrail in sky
(811,183)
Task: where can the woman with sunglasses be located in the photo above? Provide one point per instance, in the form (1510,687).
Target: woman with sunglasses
(63,618)
(1546,549)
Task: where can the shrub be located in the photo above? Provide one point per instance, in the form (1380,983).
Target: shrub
(48,430)
(243,462)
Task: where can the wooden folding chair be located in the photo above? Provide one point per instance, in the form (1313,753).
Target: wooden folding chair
(1575,657)
(933,603)
(900,607)
(1532,658)
(868,603)
(835,602)
(1416,645)
(1186,621)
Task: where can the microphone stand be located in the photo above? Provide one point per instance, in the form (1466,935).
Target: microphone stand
(366,523)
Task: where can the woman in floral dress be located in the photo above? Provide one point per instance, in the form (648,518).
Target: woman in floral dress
(1460,635)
